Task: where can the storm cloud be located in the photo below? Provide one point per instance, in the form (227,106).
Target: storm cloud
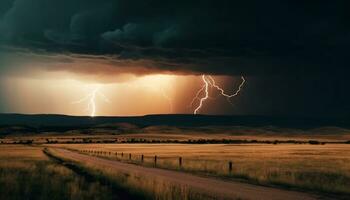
(294,54)
(216,37)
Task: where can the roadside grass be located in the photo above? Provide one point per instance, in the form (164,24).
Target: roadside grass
(26,173)
(42,180)
(320,168)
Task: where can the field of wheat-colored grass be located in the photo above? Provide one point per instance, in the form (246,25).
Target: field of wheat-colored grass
(323,168)
(27,173)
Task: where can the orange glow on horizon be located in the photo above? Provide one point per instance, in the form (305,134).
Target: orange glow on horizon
(151,94)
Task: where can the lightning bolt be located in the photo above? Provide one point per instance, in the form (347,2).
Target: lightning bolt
(213,83)
(206,85)
(90,98)
(210,81)
(197,95)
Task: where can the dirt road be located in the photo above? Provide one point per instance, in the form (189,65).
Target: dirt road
(224,189)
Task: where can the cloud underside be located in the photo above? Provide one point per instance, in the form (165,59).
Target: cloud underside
(226,37)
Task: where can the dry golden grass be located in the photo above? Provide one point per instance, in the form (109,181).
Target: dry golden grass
(27,173)
(324,168)
(21,153)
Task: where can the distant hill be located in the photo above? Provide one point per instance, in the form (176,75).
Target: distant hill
(63,122)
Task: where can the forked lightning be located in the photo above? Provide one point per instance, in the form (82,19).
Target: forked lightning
(91,100)
(210,81)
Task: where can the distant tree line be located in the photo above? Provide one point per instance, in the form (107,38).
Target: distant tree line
(189,141)
(223,141)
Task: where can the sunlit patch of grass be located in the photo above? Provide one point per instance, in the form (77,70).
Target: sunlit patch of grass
(21,153)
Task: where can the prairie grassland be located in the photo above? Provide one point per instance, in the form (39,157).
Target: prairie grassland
(321,168)
(27,173)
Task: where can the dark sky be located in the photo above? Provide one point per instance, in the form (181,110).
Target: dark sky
(296,53)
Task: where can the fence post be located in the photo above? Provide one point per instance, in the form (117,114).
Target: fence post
(116,154)
(122,154)
(142,158)
(155,161)
(129,156)
(180,162)
(230,166)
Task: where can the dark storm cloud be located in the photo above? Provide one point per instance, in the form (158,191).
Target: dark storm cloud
(218,37)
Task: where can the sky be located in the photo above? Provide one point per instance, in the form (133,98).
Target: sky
(131,57)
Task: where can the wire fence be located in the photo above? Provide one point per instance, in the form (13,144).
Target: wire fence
(168,162)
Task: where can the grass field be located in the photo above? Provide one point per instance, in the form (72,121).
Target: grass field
(27,173)
(320,168)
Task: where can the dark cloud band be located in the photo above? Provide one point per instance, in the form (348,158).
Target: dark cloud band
(217,37)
